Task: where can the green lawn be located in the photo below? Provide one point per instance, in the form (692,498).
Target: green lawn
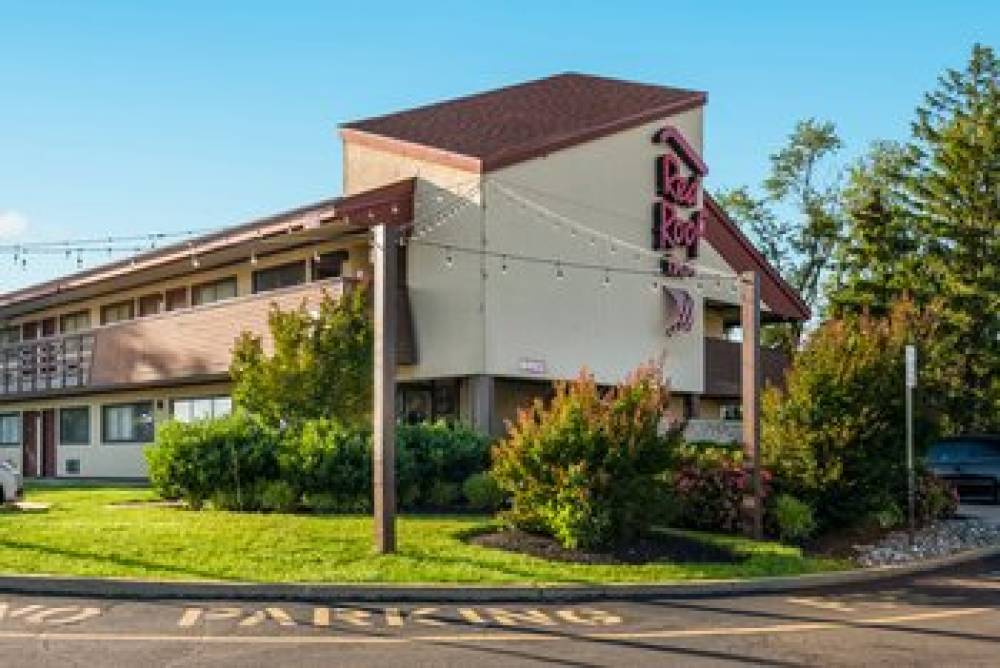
(81,534)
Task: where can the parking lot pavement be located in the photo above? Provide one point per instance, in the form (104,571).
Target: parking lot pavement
(986,512)
(950,617)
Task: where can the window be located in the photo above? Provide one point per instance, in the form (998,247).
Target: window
(150,304)
(117,312)
(10,335)
(731,412)
(206,293)
(128,423)
(10,429)
(437,400)
(74,322)
(282,276)
(74,425)
(329,265)
(177,298)
(30,331)
(73,467)
(201,408)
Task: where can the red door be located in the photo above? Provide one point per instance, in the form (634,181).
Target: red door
(29,444)
(49,443)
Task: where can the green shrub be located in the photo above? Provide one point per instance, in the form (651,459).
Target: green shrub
(834,436)
(935,498)
(588,468)
(325,457)
(197,461)
(709,491)
(279,496)
(793,518)
(482,492)
(434,459)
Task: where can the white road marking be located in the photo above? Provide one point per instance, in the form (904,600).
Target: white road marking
(493,636)
(822,604)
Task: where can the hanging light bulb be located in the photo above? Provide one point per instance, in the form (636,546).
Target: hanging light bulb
(607,279)
(253,258)
(655,285)
(79,260)
(503,265)
(560,274)
(195,262)
(68,253)
(449,260)
(316,257)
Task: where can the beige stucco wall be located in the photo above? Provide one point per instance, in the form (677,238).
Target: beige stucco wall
(472,317)
(99,459)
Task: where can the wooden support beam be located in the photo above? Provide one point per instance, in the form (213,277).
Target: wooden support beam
(384,414)
(751,387)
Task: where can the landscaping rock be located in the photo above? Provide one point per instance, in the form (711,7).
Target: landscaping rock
(937,540)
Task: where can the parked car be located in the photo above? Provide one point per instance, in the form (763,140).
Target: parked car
(11,483)
(971,463)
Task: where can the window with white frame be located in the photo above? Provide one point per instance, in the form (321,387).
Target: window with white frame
(201,408)
(206,293)
(127,423)
(10,429)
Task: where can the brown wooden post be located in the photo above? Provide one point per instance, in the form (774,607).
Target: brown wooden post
(751,386)
(384,414)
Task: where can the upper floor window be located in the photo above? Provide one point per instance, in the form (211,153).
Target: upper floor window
(128,423)
(74,322)
(10,335)
(206,293)
(201,408)
(150,304)
(282,276)
(117,312)
(10,429)
(329,265)
(177,298)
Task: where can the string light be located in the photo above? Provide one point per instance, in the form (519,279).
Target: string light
(503,265)
(449,259)
(560,274)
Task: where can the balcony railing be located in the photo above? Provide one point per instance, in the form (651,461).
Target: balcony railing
(184,345)
(723,365)
(48,364)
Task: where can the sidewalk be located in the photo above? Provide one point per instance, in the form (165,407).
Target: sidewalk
(986,512)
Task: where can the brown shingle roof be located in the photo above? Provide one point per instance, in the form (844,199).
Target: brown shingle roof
(508,125)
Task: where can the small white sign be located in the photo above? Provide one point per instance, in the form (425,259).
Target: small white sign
(911,366)
(532,366)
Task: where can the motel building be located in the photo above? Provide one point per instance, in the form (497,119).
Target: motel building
(543,227)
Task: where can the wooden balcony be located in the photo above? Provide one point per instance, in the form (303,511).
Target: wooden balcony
(183,346)
(723,362)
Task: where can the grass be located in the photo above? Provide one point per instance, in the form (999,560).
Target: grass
(83,534)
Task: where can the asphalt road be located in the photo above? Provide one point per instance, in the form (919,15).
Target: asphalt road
(947,618)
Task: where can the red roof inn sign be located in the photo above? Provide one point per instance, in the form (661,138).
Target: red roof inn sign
(678,222)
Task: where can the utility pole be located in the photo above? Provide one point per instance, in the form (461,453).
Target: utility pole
(384,413)
(751,384)
(911,481)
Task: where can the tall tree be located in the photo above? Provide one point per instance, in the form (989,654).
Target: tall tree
(954,193)
(799,242)
(877,258)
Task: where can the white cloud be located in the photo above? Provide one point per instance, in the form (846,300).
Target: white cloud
(12,224)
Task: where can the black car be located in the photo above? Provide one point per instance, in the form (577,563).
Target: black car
(971,463)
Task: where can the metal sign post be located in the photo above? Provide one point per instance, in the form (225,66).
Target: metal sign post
(750,385)
(384,413)
(911,480)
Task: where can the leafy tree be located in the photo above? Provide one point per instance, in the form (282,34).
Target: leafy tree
(877,259)
(954,193)
(800,246)
(834,436)
(320,367)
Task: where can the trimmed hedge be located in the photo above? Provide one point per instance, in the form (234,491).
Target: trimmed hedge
(236,463)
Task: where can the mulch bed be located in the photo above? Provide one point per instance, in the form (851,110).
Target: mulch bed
(672,548)
(840,543)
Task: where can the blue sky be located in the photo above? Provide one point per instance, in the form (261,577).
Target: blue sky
(125,117)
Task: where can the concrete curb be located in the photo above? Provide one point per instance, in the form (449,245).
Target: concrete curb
(117,588)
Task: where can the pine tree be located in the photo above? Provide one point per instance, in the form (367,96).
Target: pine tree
(954,195)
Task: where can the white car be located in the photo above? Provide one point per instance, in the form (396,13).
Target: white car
(11,484)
